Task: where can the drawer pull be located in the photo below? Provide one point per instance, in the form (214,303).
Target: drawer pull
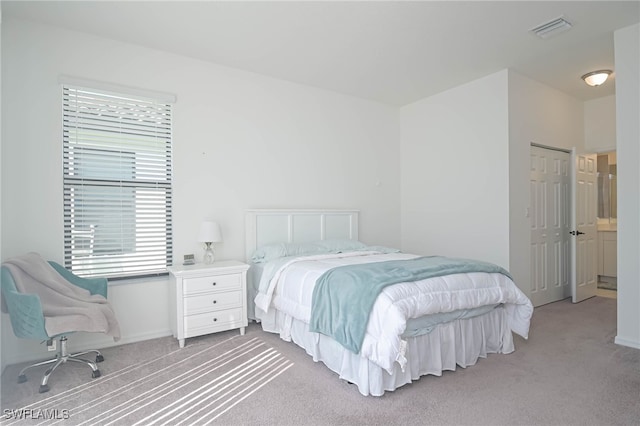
(214,283)
(215,301)
(215,319)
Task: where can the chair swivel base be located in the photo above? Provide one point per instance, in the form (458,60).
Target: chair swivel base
(62,357)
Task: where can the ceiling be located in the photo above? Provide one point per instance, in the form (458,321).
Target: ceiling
(394,52)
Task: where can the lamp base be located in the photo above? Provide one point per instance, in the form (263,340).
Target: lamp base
(208,255)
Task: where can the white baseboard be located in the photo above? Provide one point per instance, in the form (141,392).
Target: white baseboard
(625,342)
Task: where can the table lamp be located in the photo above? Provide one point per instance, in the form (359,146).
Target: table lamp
(209,233)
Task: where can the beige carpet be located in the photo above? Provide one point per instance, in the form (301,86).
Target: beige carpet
(568,372)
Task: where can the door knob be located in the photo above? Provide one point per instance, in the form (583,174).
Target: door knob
(576,233)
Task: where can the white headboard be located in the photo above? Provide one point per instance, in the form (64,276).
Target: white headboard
(288,226)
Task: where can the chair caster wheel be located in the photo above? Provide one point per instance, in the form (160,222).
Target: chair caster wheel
(99,358)
(22,378)
(43,388)
(95,374)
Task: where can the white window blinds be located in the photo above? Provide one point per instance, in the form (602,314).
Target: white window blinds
(117,184)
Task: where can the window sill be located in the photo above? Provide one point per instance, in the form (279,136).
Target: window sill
(131,281)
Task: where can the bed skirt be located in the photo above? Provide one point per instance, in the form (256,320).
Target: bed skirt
(458,343)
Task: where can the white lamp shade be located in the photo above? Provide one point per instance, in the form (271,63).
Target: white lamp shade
(209,232)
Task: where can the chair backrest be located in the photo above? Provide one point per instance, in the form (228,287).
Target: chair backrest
(25,310)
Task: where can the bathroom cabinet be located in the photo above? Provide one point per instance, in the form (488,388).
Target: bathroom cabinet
(608,253)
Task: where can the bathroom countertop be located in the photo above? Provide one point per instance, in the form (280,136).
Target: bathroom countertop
(608,227)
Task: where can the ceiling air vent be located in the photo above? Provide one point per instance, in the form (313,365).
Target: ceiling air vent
(552,28)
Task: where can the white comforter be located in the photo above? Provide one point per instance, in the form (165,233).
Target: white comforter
(288,287)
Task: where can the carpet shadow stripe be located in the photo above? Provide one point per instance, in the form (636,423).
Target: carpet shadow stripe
(136,383)
(248,391)
(239,385)
(203,386)
(180,379)
(58,399)
(210,386)
(147,379)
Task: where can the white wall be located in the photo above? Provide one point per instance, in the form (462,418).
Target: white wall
(537,114)
(600,124)
(240,141)
(455,172)
(627,61)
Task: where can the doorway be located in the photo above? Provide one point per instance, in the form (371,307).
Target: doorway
(607,224)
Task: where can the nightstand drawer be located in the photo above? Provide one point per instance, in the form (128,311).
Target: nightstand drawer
(215,319)
(215,301)
(212,283)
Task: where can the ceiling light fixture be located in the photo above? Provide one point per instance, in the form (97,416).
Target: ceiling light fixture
(596,78)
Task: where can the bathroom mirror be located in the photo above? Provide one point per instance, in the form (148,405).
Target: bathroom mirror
(607,187)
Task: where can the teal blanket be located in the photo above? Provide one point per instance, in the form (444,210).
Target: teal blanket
(343,296)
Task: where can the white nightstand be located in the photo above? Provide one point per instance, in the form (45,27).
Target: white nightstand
(208,298)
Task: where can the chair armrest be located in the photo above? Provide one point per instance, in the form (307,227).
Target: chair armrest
(94,285)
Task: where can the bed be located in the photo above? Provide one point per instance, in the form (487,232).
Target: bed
(434,315)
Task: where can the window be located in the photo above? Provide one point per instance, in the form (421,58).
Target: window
(117,184)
